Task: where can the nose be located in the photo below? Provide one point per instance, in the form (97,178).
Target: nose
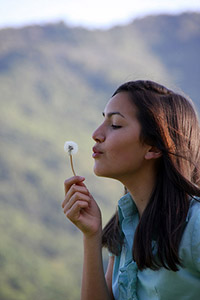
(98,135)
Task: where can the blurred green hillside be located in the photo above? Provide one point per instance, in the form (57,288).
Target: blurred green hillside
(54,83)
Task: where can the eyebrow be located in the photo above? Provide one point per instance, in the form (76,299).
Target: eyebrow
(113,113)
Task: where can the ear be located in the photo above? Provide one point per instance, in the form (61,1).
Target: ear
(153,153)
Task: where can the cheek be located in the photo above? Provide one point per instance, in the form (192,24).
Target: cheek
(116,151)
(128,152)
(123,147)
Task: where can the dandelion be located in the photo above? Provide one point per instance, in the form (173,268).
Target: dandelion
(71,148)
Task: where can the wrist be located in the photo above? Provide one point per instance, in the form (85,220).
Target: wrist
(94,237)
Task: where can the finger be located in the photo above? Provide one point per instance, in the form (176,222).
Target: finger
(72,180)
(74,213)
(75,198)
(75,189)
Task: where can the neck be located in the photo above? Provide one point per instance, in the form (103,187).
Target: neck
(141,187)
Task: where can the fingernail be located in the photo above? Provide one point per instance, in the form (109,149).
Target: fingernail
(81,178)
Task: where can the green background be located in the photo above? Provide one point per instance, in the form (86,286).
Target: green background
(54,83)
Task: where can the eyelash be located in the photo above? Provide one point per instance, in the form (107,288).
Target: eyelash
(115,126)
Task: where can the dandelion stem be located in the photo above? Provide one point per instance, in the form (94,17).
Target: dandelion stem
(71,162)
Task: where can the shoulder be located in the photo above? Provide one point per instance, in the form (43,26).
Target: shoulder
(193,212)
(193,217)
(193,229)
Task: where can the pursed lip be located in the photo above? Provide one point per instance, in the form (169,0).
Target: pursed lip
(96,152)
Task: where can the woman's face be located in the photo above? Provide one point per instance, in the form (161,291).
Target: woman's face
(118,152)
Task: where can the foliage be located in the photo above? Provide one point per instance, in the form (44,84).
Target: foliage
(54,83)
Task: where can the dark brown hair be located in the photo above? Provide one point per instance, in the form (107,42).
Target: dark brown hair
(169,122)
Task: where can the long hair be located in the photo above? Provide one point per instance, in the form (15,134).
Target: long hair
(168,122)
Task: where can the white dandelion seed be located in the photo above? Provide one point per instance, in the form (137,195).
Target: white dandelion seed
(71,148)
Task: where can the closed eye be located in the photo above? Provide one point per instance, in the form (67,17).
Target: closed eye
(115,126)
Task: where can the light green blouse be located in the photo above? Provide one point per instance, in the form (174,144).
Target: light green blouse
(129,283)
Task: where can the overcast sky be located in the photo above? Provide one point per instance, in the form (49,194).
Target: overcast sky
(88,13)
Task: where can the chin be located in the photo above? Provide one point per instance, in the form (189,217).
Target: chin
(98,172)
(102,173)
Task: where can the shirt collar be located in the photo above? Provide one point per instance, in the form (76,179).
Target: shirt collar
(127,206)
(193,200)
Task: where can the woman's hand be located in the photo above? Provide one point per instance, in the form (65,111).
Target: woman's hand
(80,207)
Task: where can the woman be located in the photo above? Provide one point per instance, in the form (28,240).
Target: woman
(149,140)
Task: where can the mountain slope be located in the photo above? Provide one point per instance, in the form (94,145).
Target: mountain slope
(176,41)
(54,83)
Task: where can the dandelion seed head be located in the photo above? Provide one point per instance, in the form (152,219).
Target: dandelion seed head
(70,147)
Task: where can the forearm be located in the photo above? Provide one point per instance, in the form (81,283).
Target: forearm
(81,209)
(93,281)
